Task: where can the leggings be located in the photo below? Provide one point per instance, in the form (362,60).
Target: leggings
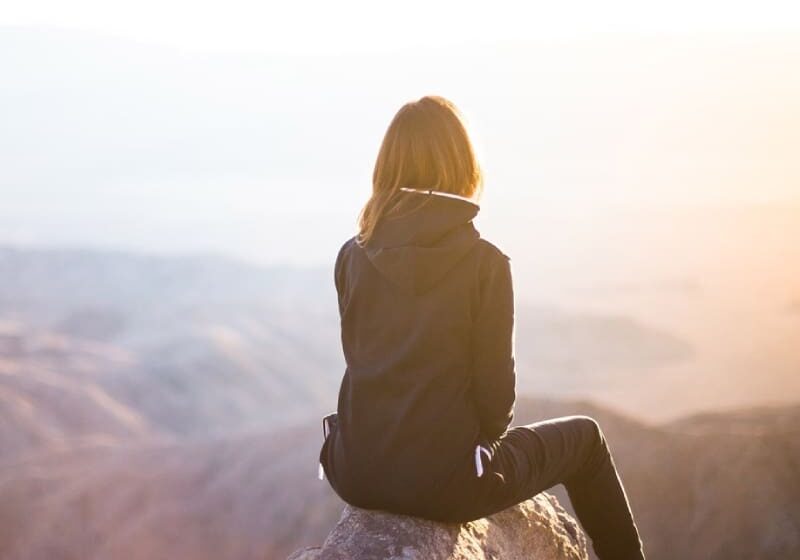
(528,459)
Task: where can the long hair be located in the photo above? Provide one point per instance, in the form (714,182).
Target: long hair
(425,147)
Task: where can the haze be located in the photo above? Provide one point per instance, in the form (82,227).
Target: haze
(644,166)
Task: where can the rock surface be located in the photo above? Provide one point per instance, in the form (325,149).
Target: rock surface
(538,529)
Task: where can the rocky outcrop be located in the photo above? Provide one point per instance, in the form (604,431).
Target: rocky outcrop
(538,529)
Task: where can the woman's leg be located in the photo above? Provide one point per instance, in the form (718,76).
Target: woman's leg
(571,450)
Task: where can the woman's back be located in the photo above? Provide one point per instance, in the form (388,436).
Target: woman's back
(426,317)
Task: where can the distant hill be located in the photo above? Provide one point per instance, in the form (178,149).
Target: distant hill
(245,497)
(196,377)
(47,282)
(200,345)
(265,340)
(52,392)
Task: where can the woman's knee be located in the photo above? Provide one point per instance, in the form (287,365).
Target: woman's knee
(591,426)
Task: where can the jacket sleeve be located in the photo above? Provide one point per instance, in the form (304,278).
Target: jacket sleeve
(339,277)
(493,372)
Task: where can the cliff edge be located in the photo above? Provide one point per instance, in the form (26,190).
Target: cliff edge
(538,528)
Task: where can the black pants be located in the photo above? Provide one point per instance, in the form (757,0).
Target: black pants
(528,459)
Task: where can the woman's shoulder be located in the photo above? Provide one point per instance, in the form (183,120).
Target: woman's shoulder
(493,263)
(349,242)
(345,247)
(491,251)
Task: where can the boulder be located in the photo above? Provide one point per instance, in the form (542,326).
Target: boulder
(538,529)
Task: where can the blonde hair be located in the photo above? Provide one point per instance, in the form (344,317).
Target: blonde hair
(425,147)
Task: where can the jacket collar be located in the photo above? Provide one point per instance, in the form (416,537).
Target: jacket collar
(426,235)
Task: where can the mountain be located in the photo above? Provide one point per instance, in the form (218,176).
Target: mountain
(202,345)
(52,393)
(246,496)
(233,344)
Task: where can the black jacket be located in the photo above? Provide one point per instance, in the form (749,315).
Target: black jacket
(427,318)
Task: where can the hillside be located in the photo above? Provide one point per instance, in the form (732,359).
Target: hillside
(265,340)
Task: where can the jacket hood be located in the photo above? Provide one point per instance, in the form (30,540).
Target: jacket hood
(415,249)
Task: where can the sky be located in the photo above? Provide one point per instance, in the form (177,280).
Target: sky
(368,26)
(251,128)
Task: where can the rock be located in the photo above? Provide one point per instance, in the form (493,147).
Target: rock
(538,528)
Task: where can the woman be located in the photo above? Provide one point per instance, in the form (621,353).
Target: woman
(427,324)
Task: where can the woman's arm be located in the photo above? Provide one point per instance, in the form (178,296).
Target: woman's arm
(339,275)
(493,373)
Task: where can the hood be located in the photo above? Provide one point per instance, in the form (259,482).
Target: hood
(415,250)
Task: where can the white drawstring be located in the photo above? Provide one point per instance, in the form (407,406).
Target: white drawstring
(325,432)
(478,464)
